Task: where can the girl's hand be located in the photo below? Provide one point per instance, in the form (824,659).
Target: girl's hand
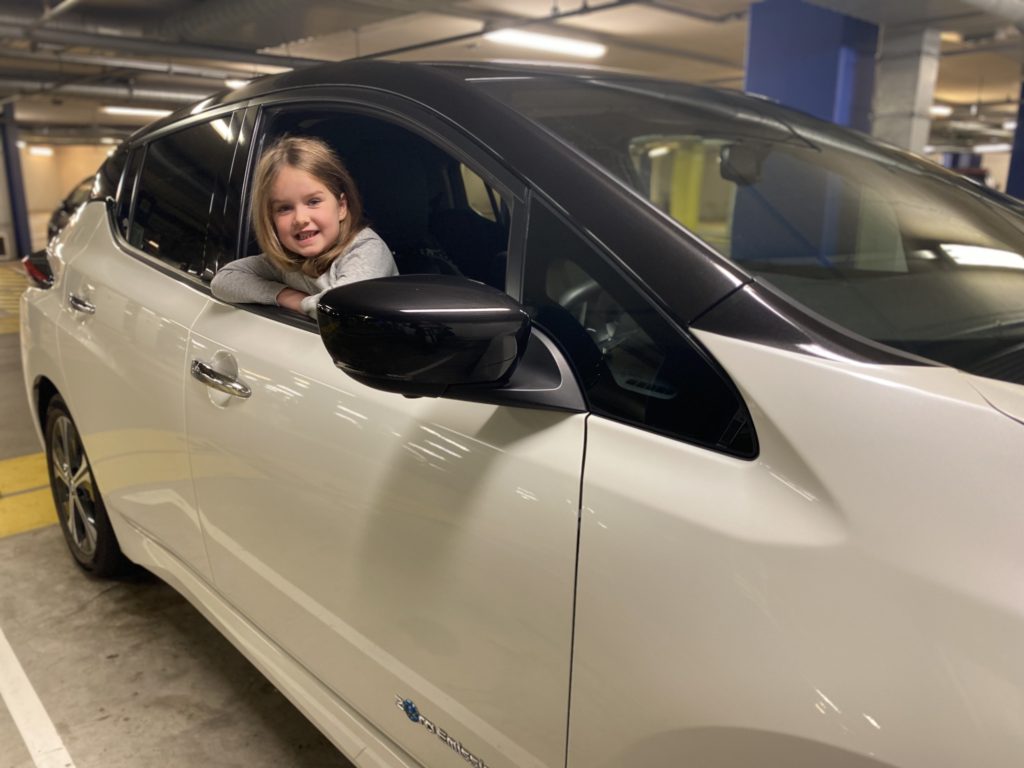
(291,299)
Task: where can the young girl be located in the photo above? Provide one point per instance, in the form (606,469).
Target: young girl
(309,222)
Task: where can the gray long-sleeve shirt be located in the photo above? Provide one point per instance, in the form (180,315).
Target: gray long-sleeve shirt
(258,280)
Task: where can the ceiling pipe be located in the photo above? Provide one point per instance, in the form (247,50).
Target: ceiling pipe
(71,134)
(222,14)
(721,18)
(56,11)
(492,22)
(1011,10)
(16,27)
(120,92)
(139,65)
(489,27)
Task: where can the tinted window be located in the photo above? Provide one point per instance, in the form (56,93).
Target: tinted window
(123,209)
(222,234)
(180,176)
(632,365)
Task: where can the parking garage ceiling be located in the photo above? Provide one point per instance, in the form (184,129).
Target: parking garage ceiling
(61,63)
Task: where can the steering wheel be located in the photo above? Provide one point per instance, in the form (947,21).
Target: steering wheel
(575,299)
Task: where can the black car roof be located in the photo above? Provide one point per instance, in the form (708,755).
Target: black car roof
(687,285)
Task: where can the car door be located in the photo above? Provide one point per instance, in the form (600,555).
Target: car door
(416,554)
(668,439)
(124,329)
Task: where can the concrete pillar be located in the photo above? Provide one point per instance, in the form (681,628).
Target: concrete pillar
(22,244)
(905,86)
(1015,179)
(813,59)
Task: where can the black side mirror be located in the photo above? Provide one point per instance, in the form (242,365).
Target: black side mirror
(423,334)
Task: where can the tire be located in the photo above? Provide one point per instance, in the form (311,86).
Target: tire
(83,517)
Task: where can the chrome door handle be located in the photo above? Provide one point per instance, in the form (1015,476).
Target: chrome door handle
(81,305)
(219,381)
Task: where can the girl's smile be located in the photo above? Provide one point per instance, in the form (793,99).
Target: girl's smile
(307,217)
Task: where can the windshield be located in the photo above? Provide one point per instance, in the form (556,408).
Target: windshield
(889,246)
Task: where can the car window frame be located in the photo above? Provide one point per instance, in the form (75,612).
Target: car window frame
(617,266)
(404,113)
(130,183)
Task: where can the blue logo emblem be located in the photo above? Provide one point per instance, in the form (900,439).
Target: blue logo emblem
(410,710)
(413,713)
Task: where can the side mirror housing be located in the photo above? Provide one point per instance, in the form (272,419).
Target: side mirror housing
(423,334)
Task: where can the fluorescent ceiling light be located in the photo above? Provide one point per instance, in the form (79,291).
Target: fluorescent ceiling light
(1010,125)
(549,43)
(21,144)
(975,126)
(109,140)
(40,151)
(982,149)
(658,151)
(940,110)
(235,83)
(949,36)
(135,111)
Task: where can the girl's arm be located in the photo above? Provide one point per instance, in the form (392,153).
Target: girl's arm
(254,280)
(368,257)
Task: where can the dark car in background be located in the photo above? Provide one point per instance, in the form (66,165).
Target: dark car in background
(62,213)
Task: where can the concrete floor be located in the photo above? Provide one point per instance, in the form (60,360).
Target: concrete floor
(129,673)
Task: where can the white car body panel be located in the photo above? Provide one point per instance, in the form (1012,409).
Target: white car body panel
(364,745)
(422,548)
(124,370)
(1003,396)
(809,604)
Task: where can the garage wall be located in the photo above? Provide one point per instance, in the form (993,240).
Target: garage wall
(998,166)
(49,179)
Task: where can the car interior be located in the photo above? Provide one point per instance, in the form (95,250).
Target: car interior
(436,214)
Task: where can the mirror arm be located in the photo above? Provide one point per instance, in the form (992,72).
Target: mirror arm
(543,379)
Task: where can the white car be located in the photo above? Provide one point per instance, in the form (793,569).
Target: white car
(690,434)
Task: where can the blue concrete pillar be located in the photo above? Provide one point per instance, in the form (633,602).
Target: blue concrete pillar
(1015,179)
(15,185)
(813,59)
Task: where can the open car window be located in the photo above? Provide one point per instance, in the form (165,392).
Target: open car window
(436,214)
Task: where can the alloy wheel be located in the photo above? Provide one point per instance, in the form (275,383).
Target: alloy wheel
(74,488)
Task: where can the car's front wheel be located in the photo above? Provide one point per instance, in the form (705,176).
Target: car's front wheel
(83,518)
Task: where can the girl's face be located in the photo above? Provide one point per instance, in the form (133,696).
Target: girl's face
(307,217)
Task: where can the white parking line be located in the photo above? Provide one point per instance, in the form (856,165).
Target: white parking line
(35,726)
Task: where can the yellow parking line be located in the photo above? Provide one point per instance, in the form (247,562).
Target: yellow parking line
(26,511)
(23,473)
(25,500)
(12,284)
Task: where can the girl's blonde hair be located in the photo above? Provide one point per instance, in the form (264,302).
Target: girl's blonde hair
(314,157)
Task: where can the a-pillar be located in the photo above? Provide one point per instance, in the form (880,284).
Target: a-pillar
(813,59)
(906,74)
